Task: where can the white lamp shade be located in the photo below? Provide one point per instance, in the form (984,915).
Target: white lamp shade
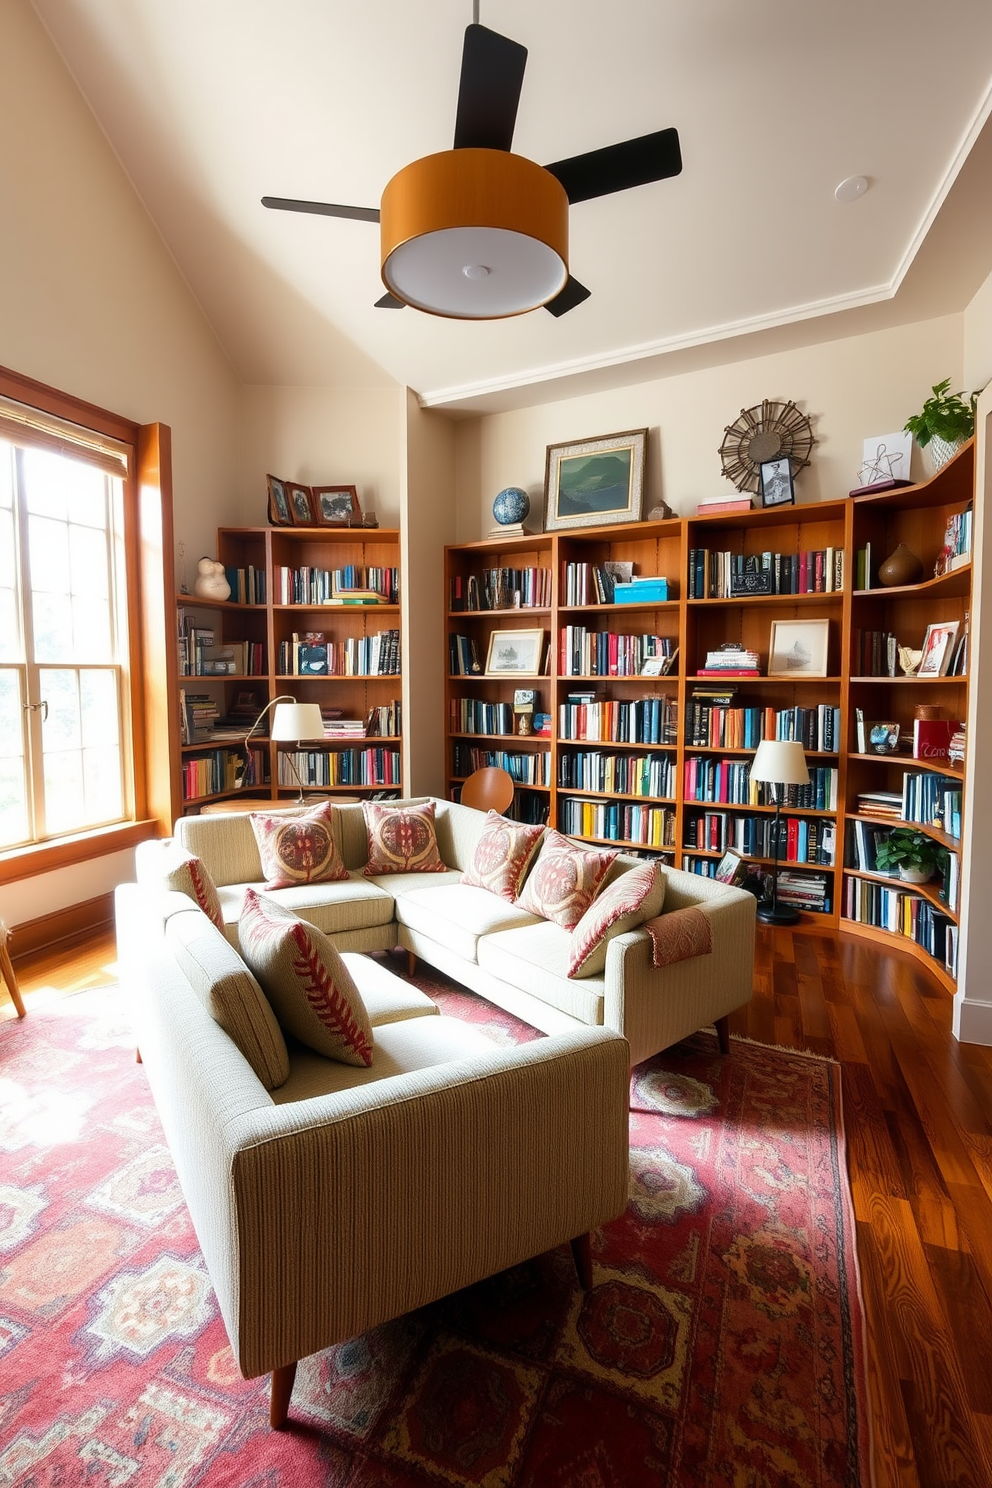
(297,721)
(779,762)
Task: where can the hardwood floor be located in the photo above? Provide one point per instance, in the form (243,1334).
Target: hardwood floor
(918,1117)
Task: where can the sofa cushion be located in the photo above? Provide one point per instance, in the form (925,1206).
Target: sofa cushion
(229,992)
(297,849)
(307,983)
(565,879)
(395,884)
(534,958)
(354,903)
(387,997)
(624,904)
(401,839)
(184,873)
(400,1049)
(456,915)
(503,854)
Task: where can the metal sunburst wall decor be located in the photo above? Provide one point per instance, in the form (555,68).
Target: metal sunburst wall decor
(771,430)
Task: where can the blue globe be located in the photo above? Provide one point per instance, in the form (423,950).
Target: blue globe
(511,505)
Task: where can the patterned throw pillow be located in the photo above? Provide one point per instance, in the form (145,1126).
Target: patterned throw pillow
(310,989)
(631,899)
(502,856)
(564,880)
(187,875)
(680,935)
(297,849)
(402,839)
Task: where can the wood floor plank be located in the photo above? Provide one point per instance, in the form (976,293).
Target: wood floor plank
(960,1288)
(892,1444)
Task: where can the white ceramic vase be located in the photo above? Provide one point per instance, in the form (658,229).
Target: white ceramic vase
(939,451)
(913,875)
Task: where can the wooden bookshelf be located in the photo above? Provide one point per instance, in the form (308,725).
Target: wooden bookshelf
(915,515)
(270,624)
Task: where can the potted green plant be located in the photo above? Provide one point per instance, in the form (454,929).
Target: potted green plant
(917,856)
(944,423)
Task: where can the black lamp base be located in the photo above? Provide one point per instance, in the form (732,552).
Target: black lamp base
(777,914)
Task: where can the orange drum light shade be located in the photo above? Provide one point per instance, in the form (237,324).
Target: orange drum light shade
(474,234)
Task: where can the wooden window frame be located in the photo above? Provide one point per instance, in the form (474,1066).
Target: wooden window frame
(148,563)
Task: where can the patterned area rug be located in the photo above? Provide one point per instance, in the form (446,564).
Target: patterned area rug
(722,1343)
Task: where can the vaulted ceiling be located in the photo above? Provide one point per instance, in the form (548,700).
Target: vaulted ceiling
(211,104)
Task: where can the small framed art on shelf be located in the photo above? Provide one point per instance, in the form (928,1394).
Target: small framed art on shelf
(515,653)
(776,484)
(798,648)
(595,482)
(337,506)
(301,505)
(280,514)
(938,648)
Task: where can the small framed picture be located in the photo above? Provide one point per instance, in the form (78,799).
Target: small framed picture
(938,648)
(301,505)
(798,648)
(776,484)
(279,512)
(515,653)
(337,506)
(594,482)
(730,869)
(657,666)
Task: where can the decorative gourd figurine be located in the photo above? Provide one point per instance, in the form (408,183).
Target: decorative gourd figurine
(901,567)
(211,581)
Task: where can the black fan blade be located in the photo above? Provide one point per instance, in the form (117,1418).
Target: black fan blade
(321,209)
(653,157)
(489,91)
(566,299)
(389,302)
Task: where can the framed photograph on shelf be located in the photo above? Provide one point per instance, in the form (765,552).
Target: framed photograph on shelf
(730,869)
(301,505)
(658,666)
(279,512)
(938,648)
(798,648)
(336,506)
(515,653)
(776,485)
(595,482)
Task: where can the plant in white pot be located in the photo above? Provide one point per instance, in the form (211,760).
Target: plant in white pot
(916,856)
(944,423)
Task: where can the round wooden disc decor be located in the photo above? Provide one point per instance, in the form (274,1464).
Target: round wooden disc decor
(768,431)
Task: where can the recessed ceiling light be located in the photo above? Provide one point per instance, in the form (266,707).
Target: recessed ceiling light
(851,189)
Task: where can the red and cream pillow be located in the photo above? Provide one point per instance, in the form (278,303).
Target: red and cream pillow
(627,902)
(401,839)
(187,875)
(680,935)
(503,854)
(309,987)
(298,849)
(564,880)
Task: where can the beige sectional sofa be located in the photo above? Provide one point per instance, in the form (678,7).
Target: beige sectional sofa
(510,957)
(333,1198)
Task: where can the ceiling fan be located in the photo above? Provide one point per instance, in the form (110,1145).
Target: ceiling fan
(476,232)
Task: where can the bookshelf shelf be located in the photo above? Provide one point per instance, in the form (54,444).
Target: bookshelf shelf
(269,563)
(924,891)
(918,516)
(944,838)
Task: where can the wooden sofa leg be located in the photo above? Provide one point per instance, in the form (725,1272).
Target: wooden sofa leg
(582,1256)
(722,1026)
(411,963)
(282,1388)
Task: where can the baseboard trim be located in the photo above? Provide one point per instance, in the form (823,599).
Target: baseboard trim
(62,928)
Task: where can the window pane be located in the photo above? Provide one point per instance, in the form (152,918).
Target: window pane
(91,636)
(88,560)
(58,486)
(6,474)
(48,546)
(52,619)
(98,708)
(13,781)
(102,784)
(10,640)
(7,565)
(65,804)
(61,729)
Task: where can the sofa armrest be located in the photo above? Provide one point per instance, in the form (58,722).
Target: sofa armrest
(656,1007)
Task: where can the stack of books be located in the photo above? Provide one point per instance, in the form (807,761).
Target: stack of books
(730,661)
(803,891)
(887,804)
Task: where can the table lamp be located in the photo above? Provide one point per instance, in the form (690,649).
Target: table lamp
(778,762)
(291,721)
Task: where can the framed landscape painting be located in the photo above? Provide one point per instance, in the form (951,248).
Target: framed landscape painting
(595,482)
(515,653)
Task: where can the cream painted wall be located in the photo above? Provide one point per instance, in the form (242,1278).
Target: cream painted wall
(428,522)
(92,303)
(854,388)
(322,437)
(978,339)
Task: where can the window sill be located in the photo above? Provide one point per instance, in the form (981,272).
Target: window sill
(43,857)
